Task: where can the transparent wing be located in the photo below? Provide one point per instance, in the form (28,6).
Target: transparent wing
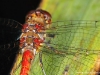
(74,36)
(71,44)
(10,30)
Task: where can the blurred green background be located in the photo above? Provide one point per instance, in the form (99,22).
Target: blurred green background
(72,9)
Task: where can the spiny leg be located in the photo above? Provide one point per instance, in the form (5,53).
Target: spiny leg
(49,47)
(53,49)
(41,63)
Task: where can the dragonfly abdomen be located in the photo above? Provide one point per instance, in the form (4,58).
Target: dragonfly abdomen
(28,56)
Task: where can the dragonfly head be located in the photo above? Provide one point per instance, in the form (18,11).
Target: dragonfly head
(39,16)
(47,16)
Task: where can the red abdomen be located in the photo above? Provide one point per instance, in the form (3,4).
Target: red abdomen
(28,56)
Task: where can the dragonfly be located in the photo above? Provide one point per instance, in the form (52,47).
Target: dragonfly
(45,47)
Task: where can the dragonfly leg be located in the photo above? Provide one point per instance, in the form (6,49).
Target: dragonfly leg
(55,50)
(41,63)
(65,72)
